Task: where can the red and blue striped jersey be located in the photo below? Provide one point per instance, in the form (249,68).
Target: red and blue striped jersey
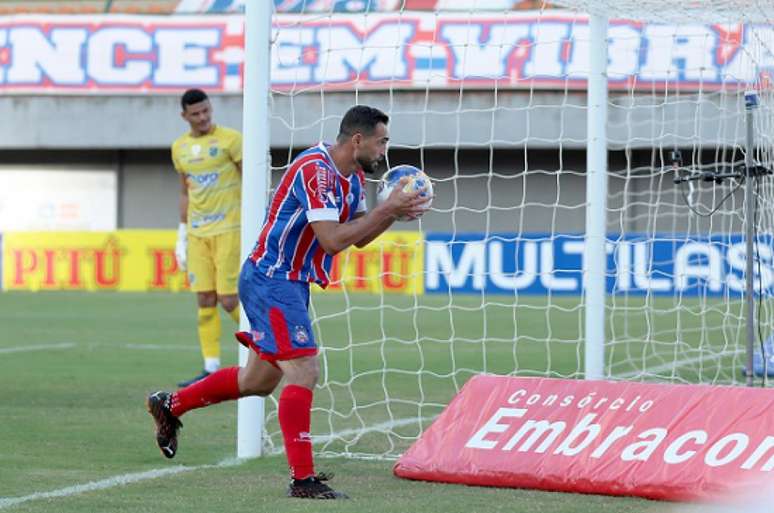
(312,189)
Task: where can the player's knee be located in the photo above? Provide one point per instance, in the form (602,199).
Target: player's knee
(252,382)
(304,373)
(229,302)
(262,388)
(207,299)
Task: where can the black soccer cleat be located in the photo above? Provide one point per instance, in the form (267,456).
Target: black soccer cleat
(167,424)
(314,488)
(194,379)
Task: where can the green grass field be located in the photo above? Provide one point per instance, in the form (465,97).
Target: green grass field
(75,368)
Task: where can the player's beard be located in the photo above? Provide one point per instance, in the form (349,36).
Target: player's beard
(371,166)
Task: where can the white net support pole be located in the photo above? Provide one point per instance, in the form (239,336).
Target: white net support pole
(751,102)
(594,259)
(255,172)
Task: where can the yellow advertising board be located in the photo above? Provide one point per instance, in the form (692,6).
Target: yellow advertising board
(392,263)
(125,260)
(144,260)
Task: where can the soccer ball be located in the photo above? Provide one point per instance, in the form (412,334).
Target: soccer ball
(417,180)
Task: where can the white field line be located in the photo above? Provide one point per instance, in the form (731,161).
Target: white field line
(162,347)
(674,365)
(70,345)
(111,482)
(39,347)
(382,427)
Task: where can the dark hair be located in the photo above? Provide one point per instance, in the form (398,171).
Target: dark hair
(361,119)
(192,96)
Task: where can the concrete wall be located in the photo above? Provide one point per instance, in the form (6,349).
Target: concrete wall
(476,190)
(502,161)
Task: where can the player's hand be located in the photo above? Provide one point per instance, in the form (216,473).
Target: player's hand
(410,204)
(181,247)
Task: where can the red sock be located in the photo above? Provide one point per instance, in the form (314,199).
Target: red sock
(295,419)
(222,385)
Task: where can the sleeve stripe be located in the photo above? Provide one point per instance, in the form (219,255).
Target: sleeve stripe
(322,214)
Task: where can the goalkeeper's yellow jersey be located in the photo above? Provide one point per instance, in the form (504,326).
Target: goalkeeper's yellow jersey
(214,183)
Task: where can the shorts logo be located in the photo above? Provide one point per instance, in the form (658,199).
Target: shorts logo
(191,278)
(258,335)
(300,334)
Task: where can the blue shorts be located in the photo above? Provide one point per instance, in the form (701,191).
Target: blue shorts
(278,311)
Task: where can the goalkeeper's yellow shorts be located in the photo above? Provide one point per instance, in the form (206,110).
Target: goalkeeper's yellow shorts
(213,263)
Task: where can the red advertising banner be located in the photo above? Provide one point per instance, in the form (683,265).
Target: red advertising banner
(675,442)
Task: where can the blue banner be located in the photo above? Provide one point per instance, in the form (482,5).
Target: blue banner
(638,264)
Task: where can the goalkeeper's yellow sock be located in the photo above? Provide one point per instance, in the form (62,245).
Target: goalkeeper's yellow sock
(234,314)
(209,337)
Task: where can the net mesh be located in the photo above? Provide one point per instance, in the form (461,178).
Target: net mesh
(491,104)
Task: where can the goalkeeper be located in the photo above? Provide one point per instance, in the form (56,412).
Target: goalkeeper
(208,159)
(318,210)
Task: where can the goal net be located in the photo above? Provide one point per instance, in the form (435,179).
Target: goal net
(489,98)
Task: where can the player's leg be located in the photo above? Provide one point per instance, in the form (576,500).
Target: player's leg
(202,276)
(295,415)
(227,265)
(258,377)
(281,330)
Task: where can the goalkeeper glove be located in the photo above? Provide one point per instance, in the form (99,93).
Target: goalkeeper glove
(181,247)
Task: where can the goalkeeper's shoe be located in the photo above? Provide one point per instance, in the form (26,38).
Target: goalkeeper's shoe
(194,379)
(314,488)
(167,425)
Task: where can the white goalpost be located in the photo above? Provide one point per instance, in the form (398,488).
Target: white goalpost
(603,205)
(255,182)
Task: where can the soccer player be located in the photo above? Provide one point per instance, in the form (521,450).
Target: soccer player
(209,161)
(318,210)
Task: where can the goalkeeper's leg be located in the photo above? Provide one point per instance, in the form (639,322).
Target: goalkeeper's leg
(203,279)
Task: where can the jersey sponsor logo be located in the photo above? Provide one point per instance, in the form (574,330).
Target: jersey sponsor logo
(204,180)
(323,183)
(319,185)
(201,221)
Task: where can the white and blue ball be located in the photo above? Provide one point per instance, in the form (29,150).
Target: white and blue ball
(418,180)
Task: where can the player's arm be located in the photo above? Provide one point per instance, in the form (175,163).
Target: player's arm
(335,237)
(235,151)
(183,198)
(381,229)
